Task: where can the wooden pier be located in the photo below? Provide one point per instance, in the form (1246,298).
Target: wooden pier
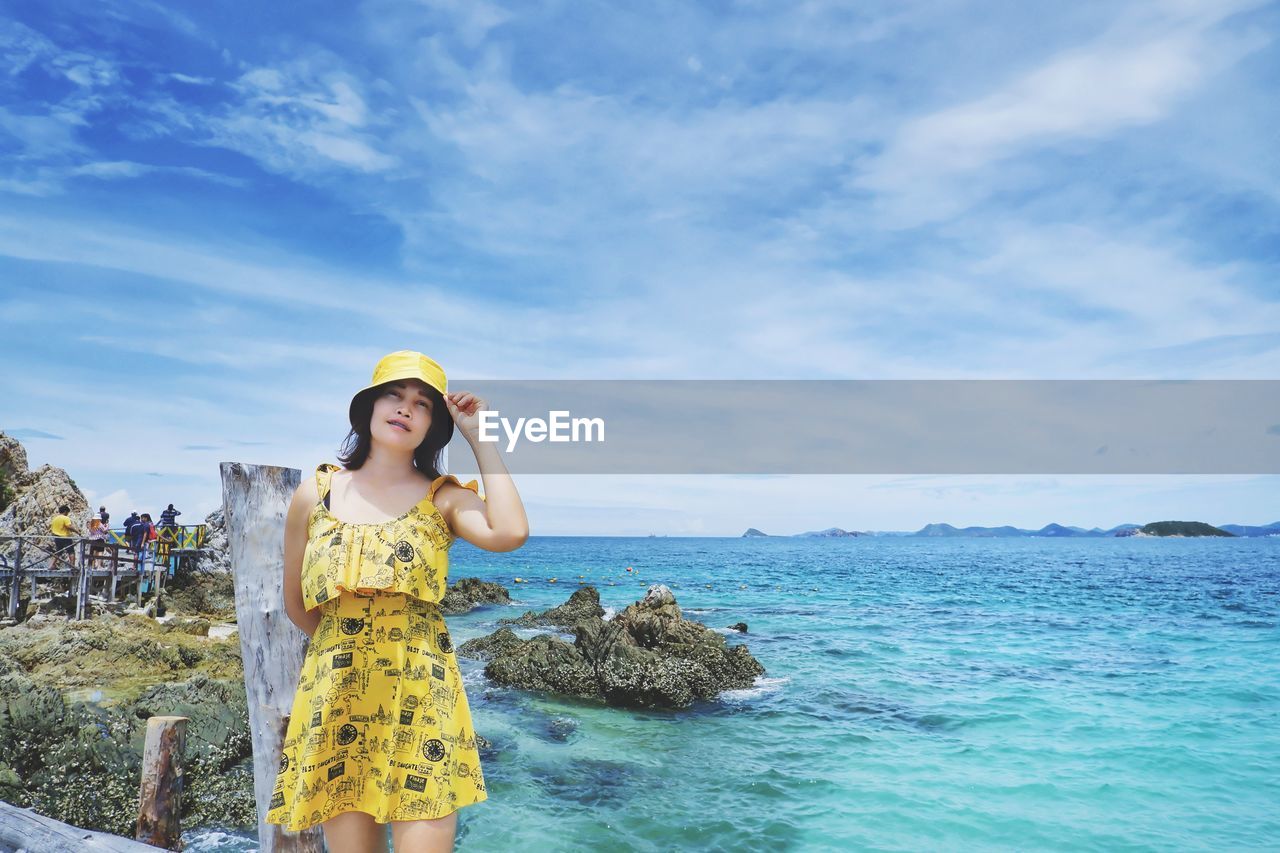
(110,564)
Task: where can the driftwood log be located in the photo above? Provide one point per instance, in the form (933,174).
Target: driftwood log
(160,797)
(255,500)
(24,831)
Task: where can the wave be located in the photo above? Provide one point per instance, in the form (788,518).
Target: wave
(763,686)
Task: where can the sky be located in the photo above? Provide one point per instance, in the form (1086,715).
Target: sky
(215,219)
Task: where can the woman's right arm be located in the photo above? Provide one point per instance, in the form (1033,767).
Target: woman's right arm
(295,544)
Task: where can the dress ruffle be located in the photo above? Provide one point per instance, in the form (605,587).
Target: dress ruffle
(409,554)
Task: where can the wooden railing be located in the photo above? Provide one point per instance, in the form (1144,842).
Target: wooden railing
(87,560)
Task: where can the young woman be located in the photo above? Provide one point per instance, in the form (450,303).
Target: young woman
(97,541)
(381,730)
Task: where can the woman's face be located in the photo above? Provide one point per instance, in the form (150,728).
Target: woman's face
(402,414)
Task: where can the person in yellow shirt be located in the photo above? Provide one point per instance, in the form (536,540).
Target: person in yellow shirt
(63,528)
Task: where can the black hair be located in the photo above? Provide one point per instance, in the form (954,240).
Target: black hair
(64,509)
(426,458)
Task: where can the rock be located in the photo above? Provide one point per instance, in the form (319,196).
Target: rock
(648,656)
(196,626)
(583,604)
(13,461)
(486,648)
(210,593)
(37,498)
(74,697)
(740,627)
(215,555)
(467,593)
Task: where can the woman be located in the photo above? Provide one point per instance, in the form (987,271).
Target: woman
(97,541)
(381,730)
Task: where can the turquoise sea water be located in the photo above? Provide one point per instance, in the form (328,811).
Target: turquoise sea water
(1118,694)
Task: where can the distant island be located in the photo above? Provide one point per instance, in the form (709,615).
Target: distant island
(1155,528)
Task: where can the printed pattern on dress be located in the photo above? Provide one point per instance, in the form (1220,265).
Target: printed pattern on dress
(380,721)
(409,554)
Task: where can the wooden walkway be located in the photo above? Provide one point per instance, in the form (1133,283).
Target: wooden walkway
(112,565)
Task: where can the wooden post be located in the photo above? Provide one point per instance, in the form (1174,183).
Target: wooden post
(255,499)
(115,569)
(15,585)
(80,593)
(160,800)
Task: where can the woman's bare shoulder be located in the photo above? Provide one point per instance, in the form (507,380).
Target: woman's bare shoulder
(307,490)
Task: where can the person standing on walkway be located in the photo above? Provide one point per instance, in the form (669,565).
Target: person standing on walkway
(63,528)
(128,525)
(140,541)
(97,540)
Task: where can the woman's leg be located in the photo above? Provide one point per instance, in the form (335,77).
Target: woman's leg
(425,836)
(355,832)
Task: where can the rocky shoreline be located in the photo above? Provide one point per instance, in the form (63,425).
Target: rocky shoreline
(75,695)
(647,656)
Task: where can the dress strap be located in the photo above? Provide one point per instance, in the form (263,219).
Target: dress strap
(324,478)
(474,485)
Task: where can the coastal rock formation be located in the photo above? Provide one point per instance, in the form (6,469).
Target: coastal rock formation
(466,593)
(34,496)
(583,604)
(215,555)
(751,531)
(74,699)
(647,656)
(13,460)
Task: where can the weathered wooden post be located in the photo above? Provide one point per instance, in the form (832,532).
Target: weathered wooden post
(255,500)
(160,799)
(115,570)
(15,586)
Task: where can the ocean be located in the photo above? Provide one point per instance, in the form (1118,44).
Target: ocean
(978,694)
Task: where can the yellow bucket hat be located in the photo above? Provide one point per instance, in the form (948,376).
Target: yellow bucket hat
(403,364)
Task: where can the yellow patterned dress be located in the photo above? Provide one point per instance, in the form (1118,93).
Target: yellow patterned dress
(380,720)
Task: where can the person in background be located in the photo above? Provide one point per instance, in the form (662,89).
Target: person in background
(105,516)
(97,540)
(129,523)
(63,528)
(140,540)
(169,521)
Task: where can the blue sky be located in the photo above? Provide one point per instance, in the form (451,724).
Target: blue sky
(215,220)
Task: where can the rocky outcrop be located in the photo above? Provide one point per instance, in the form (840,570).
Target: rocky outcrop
(35,495)
(13,461)
(583,604)
(648,656)
(74,699)
(215,554)
(467,593)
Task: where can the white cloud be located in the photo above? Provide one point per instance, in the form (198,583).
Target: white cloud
(935,165)
(301,119)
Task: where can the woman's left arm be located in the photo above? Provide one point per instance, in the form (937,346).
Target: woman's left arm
(498,522)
